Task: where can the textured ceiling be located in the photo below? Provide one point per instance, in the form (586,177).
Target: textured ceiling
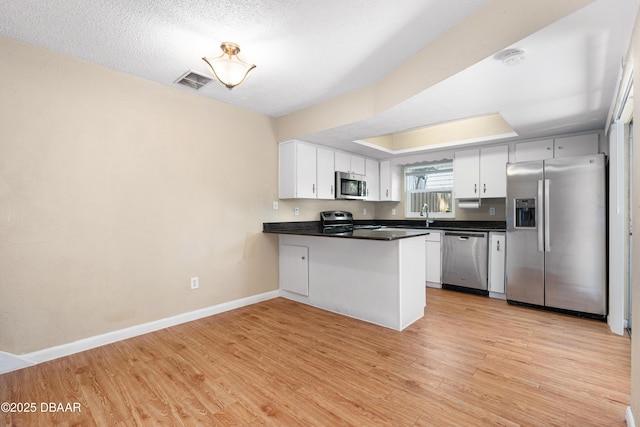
(305,51)
(310,51)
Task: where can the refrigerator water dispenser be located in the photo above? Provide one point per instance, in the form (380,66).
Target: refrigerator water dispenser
(525,213)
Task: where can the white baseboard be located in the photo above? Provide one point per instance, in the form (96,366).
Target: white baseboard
(498,295)
(630,421)
(11,362)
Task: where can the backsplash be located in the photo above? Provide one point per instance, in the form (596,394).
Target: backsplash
(384,210)
(309,210)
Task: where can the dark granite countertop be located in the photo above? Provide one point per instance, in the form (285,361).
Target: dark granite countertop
(313,228)
(439,224)
(364,228)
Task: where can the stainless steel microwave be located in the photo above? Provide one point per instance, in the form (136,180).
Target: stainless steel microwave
(350,186)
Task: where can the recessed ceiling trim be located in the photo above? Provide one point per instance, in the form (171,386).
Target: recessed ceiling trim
(443,145)
(469,130)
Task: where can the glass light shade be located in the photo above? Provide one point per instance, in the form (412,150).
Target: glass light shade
(228,68)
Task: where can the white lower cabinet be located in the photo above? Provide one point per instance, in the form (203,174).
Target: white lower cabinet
(434,260)
(497,241)
(294,269)
(378,281)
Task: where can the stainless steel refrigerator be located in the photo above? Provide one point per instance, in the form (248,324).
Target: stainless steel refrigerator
(556,234)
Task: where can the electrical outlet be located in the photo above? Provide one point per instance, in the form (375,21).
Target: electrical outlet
(194,283)
(492,211)
(275,205)
(364,211)
(296,211)
(393,211)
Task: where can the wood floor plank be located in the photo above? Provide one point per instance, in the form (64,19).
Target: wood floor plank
(470,361)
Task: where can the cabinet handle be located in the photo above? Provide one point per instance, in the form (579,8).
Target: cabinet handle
(484,188)
(332,189)
(475,188)
(387,193)
(559,147)
(313,188)
(303,257)
(498,245)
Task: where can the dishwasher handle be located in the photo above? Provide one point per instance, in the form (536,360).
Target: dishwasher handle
(464,236)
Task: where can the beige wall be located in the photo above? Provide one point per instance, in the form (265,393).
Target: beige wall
(635,280)
(114,191)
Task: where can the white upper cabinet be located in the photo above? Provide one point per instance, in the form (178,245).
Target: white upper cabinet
(480,172)
(578,145)
(534,150)
(343,161)
(389,182)
(358,165)
(466,174)
(305,171)
(350,163)
(566,146)
(372,173)
(325,173)
(493,171)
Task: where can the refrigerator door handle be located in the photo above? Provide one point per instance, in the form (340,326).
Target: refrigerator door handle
(547,232)
(540,224)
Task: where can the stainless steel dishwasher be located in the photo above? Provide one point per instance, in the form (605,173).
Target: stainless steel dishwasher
(464,261)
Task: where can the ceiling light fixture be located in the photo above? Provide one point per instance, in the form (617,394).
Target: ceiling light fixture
(512,56)
(228,68)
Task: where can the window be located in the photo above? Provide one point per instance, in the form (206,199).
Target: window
(430,183)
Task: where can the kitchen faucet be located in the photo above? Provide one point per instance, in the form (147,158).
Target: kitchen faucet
(425,211)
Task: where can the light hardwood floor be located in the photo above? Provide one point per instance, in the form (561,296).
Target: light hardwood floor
(470,361)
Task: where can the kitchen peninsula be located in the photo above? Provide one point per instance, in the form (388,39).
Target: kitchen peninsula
(372,274)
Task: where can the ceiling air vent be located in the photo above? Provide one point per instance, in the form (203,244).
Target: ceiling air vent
(193,80)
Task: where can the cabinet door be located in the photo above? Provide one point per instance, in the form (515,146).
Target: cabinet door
(389,182)
(534,150)
(578,145)
(325,174)
(305,171)
(287,170)
(496,262)
(343,161)
(372,172)
(294,269)
(434,261)
(466,174)
(493,171)
(357,165)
